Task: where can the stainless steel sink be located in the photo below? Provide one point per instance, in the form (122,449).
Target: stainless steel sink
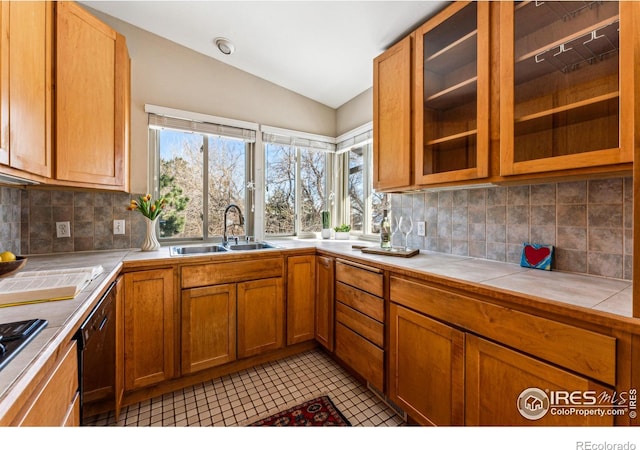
(196,250)
(251,246)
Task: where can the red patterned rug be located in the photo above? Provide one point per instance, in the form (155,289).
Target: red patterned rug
(319,412)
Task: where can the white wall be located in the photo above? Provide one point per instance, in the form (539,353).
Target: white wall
(167,74)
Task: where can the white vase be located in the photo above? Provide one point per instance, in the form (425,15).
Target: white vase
(342,235)
(150,242)
(326,233)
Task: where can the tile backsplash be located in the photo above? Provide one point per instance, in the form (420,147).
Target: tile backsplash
(589,222)
(9,220)
(90,216)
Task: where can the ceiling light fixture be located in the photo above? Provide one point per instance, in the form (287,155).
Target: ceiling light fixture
(225,46)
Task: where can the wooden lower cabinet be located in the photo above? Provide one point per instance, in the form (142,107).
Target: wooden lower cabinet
(260,316)
(497,376)
(56,403)
(426,367)
(300,298)
(359,320)
(361,355)
(324,304)
(208,327)
(149,328)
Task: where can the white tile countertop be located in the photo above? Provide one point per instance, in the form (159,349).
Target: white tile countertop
(594,293)
(600,294)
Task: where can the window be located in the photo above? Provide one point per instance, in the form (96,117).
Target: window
(363,206)
(202,168)
(296,174)
(295,190)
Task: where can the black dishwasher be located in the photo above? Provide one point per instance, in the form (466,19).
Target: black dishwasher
(97,356)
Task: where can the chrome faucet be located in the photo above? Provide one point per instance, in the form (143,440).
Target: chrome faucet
(225,240)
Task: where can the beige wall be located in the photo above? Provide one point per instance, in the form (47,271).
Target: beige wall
(356,112)
(166,74)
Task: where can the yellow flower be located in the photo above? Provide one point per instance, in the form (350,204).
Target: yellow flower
(148,208)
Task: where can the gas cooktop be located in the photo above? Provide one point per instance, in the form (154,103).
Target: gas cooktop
(15,335)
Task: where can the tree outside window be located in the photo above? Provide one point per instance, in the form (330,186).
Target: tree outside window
(295,189)
(185,183)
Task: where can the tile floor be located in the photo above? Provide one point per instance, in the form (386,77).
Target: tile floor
(241,398)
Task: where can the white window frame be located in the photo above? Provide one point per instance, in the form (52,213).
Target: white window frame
(206,125)
(299,141)
(358,137)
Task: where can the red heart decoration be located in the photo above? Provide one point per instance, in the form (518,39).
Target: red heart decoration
(535,255)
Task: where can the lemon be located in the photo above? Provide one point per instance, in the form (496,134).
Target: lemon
(7,256)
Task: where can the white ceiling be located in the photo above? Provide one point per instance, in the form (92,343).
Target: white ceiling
(320,49)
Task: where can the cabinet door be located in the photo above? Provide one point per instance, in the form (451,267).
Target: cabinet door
(25,86)
(149,327)
(55,402)
(208,327)
(4,82)
(300,298)
(91,99)
(260,316)
(564,84)
(392,155)
(324,301)
(496,378)
(426,368)
(452,95)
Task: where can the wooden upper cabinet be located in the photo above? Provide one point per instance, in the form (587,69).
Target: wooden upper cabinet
(565,88)
(392,155)
(25,87)
(92,101)
(451,96)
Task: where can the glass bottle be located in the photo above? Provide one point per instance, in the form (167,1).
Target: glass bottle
(385,231)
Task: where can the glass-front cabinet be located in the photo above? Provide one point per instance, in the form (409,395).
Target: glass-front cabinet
(563,85)
(451,96)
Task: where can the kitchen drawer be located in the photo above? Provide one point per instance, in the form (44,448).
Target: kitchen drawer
(361,324)
(361,301)
(361,355)
(583,351)
(231,272)
(368,279)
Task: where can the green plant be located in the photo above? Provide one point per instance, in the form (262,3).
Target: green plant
(343,228)
(326,219)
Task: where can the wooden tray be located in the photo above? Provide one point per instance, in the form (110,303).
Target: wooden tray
(395,252)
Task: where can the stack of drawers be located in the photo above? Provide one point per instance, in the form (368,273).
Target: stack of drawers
(360,320)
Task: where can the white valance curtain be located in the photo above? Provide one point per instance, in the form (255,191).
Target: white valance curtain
(273,135)
(160,117)
(355,138)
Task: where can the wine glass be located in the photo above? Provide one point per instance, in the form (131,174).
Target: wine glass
(394,228)
(405,225)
